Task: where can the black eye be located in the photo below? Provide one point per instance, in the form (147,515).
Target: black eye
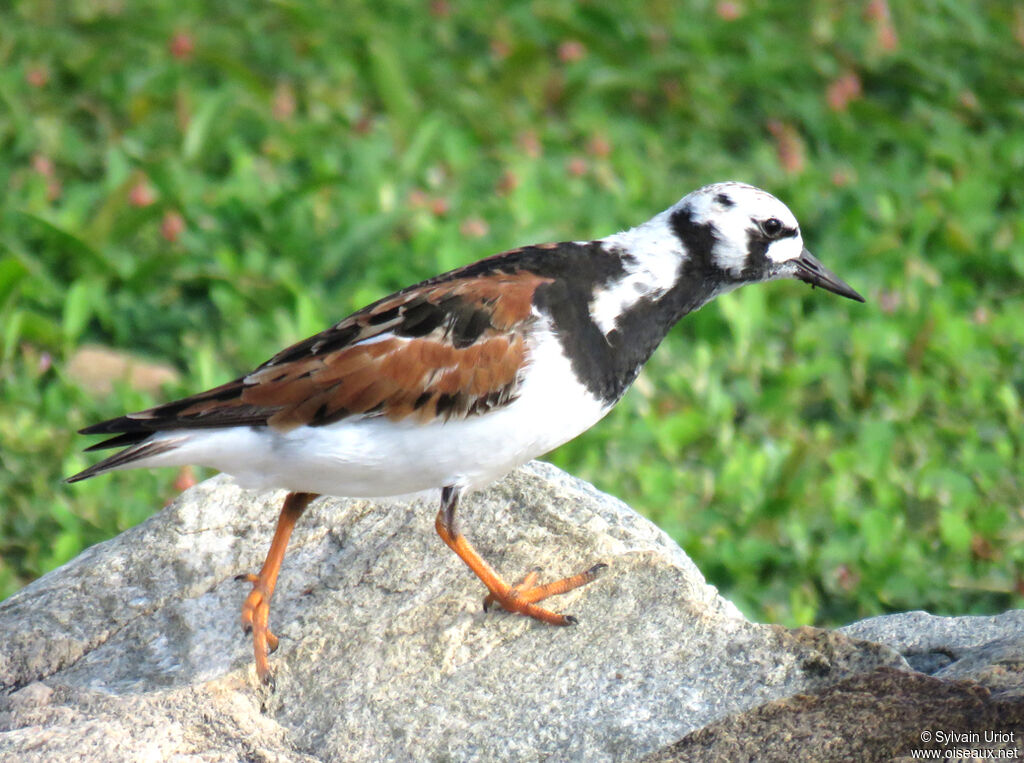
(772,227)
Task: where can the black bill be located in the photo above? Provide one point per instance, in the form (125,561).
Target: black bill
(809,270)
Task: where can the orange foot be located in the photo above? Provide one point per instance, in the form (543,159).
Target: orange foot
(522,596)
(256,620)
(256,609)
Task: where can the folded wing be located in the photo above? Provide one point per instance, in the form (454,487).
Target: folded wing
(436,351)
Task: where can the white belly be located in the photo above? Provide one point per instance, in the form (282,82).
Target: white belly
(376,457)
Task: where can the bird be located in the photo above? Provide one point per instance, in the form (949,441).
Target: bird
(455,381)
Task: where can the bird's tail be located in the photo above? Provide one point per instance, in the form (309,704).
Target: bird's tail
(140,445)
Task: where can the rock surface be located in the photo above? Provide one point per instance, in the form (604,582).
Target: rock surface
(97,369)
(988,650)
(882,715)
(133,650)
(969,680)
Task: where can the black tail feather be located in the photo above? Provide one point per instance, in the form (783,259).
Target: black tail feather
(138,451)
(128,438)
(122,424)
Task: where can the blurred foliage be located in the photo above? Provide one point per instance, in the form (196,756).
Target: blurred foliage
(203,183)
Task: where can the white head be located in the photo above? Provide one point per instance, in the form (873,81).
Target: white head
(742,234)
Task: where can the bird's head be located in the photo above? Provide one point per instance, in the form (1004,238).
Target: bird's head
(747,235)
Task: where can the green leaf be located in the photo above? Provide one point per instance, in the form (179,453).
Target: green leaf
(877,528)
(71,243)
(79,307)
(391,84)
(955,530)
(201,125)
(12,332)
(12,273)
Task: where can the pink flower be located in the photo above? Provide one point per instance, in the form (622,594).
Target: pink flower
(473,227)
(571,51)
(172,226)
(728,10)
(788,146)
(141,194)
(842,90)
(577,166)
(181,46)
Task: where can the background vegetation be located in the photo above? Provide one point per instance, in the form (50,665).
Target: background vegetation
(202,187)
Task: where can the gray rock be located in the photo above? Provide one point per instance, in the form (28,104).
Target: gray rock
(974,684)
(134,648)
(883,715)
(920,632)
(988,650)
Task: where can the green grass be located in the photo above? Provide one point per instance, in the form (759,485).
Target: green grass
(821,460)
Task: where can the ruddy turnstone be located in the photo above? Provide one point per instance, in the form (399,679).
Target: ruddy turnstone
(457,380)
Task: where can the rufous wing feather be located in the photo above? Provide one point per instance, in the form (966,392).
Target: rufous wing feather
(442,349)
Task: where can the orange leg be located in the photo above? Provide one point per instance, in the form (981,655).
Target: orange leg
(521,597)
(256,609)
